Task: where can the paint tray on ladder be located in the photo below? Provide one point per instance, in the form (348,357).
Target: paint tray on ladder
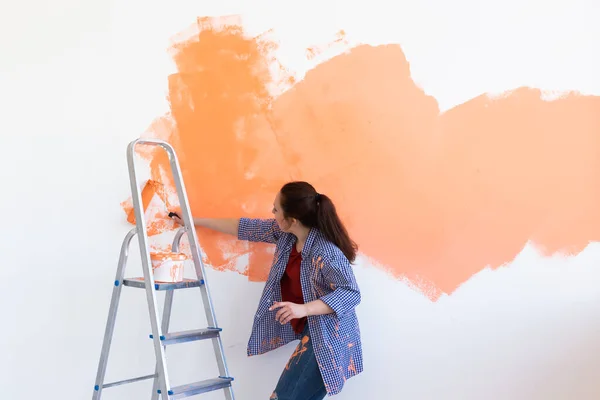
(168,266)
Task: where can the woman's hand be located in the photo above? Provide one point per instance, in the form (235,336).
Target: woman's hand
(288,311)
(175,217)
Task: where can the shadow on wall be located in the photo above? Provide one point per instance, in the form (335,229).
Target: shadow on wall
(433,197)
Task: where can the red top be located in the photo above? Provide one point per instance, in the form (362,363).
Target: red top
(291,288)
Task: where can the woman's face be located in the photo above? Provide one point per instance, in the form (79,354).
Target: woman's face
(284,224)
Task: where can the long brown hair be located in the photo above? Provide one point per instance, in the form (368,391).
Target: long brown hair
(301,201)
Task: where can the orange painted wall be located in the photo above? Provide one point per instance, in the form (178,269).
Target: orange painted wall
(434,197)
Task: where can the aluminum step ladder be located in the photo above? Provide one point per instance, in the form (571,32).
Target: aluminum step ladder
(160,330)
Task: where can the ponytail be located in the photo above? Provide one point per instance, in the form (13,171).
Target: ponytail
(300,200)
(333,229)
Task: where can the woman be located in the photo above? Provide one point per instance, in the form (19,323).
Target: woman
(310,294)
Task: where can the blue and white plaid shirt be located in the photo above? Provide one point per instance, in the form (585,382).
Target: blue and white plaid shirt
(325,274)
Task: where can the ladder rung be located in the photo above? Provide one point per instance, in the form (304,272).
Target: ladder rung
(209,385)
(189,336)
(141,284)
(123,382)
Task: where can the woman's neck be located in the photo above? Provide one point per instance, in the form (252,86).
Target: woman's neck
(301,235)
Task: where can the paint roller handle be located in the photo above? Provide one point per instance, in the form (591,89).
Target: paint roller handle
(224,225)
(176,218)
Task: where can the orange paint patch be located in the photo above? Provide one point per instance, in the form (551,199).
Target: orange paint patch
(300,349)
(158,221)
(437,198)
(433,197)
(219,99)
(315,51)
(151,189)
(352,367)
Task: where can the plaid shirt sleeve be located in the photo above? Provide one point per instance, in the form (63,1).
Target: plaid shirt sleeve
(345,296)
(258,230)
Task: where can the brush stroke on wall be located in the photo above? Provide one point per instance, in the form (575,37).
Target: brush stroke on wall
(433,198)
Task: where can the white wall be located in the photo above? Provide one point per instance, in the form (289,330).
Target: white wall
(79,81)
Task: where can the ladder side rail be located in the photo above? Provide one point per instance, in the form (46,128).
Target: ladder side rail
(188,223)
(198,262)
(186,216)
(165,328)
(195,251)
(164,383)
(112,314)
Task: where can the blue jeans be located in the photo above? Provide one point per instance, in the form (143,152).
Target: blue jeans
(301,378)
